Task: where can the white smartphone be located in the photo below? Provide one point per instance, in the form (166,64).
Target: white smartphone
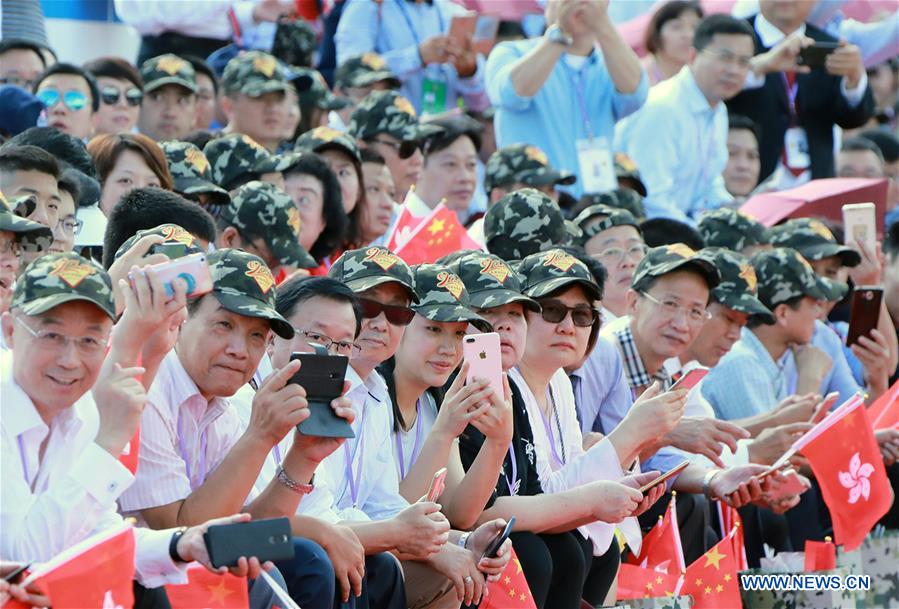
(482,352)
(860,224)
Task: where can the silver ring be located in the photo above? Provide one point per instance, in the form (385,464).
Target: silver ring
(467,579)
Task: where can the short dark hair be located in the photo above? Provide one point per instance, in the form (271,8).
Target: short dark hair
(201,67)
(861,144)
(18,44)
(667,231)
(719,24)
(144,208)
(336,221)
(68,68)
(758,320)
(370,155)
(300,289)
(652,38)
(115,67)
(886,141)
(67,149)
(454,127)
(891,241)
(70,182)
(741,121)
(14,157)
(199,138)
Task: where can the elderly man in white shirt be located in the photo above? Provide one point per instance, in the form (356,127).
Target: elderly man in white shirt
(66,442)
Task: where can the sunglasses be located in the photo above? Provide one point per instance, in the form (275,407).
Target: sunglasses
(110,96)
(395,314)
(403,149)
(73,100)
(554,312)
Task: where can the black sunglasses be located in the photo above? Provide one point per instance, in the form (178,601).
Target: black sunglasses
(554,311)
(403,149)
(110,96)
(395,314)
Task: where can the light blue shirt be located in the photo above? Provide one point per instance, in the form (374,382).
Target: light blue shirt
(552,119)
(394,29)
(840,377)
(679,142)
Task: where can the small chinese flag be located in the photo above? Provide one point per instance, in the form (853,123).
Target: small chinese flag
(413,212)
(209,590)
(729,518)
(820,555)
(712,579)
(436,236)
(511,591)
(98,572)
(636,582)
(661,549)
(884,412)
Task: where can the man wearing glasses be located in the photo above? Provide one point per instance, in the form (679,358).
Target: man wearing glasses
(13,229)
(71,97)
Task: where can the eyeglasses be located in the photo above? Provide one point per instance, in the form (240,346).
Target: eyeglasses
(395,314)
(72,225)
(110,96)
(9,246)
(554,312)
(73,100)
(24,83)
(616,254)
(403,149)
(671,308)
(87,345)
(341,347)
(726,57)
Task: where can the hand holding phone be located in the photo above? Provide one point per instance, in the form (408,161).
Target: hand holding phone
(438,484)
(690,379)
(815,56)
(268,539)
(864,312)
(500,538)
(860,225)
(192,269)
(823,408)
(664,477)
(484,357)
(322,376)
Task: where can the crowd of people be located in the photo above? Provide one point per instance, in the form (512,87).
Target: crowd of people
(603,189)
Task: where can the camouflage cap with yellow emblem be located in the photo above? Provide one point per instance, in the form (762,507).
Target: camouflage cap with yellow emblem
(191,171)
(811,238)
(626,170)
(313,91)
(666,259)
(168,69)
(783,274)
(368,267)
(172,234)
(235,157)
(522,164)
(738,289)
(254,73)
(546,272)
(56,279)
(595,219)
(259,210)
(364,71)
(327,138)
(733,229)
(244,285)
(444,297)
(391,113)
(490,281)
(523,222)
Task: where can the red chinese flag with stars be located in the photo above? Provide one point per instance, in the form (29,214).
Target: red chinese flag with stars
(884,412)
(636,582)
(414,210)
(847,463)
(661,549)
(511,590)
(712,579)
(209,590)
(729,518)
(436,236)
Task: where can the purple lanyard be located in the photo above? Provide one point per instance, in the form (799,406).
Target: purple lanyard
(513,483)
(415,447)
(577,79)
(276,452)
(360,451)
(24,461)
(187,461)
(549,429)
(412,29)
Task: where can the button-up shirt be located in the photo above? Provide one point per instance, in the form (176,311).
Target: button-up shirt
(679,142)
(601,393)
(553,118)
(54,501)
(183,438)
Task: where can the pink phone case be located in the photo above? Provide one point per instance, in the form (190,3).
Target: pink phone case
(691,379)
(482,352)
(438,483)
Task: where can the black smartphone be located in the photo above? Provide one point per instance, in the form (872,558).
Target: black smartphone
(496,542)
(815,55)
(322,375)
(268,539)
(172,250)
(864,312)
(15,575)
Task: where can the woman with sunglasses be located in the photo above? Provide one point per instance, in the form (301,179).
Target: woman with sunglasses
(121,93)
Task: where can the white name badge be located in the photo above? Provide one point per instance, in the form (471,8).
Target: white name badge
(597,171)
(796,147)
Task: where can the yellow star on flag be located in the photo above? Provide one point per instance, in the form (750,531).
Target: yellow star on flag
(649,585)
(719,588)
(659,580)
(512,592)
(508,580)
(219,592)
(707,590)
(699,581)
(727,577)
(714,557)
(436,226)
(522,597)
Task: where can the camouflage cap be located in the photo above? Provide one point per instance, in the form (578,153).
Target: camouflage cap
(368,267)
(784,274)
(522,163)
(813,240)
(626,169)
(254,73)
(55,279)
(666,259)
(490,281)
(388,112)
(545,272)
(834,291)
(234,156)
(443,296)
(620,198)
(326,138)
(597,218)
(244,285)
(738,289)
(733,229)
(11,222)
(168,69)
(313,90)
(264,211)
(365,70)
(170,233)
(191,171)
(523,222)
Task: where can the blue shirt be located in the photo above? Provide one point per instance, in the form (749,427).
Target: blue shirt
(552,119)
(840,377)
(394,29)
(679,142)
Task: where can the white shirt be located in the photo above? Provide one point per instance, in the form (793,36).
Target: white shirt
(407,445)
(199,18)
(176,425)
(52,503)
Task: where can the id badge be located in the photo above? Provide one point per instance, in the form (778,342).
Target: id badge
(796,146)
(433,96)
(597,171)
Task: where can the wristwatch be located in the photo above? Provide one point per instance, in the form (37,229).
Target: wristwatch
(707,482)
(296,487)
(173,545)
(556,36)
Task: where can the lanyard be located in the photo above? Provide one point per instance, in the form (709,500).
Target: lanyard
(577,80)
(276,452)
(414,30)
(360,451)
(184,456)
(549,430)
(415,447)
(513,482)
(792,90)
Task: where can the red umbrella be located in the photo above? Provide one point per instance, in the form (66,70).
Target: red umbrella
(821,198)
